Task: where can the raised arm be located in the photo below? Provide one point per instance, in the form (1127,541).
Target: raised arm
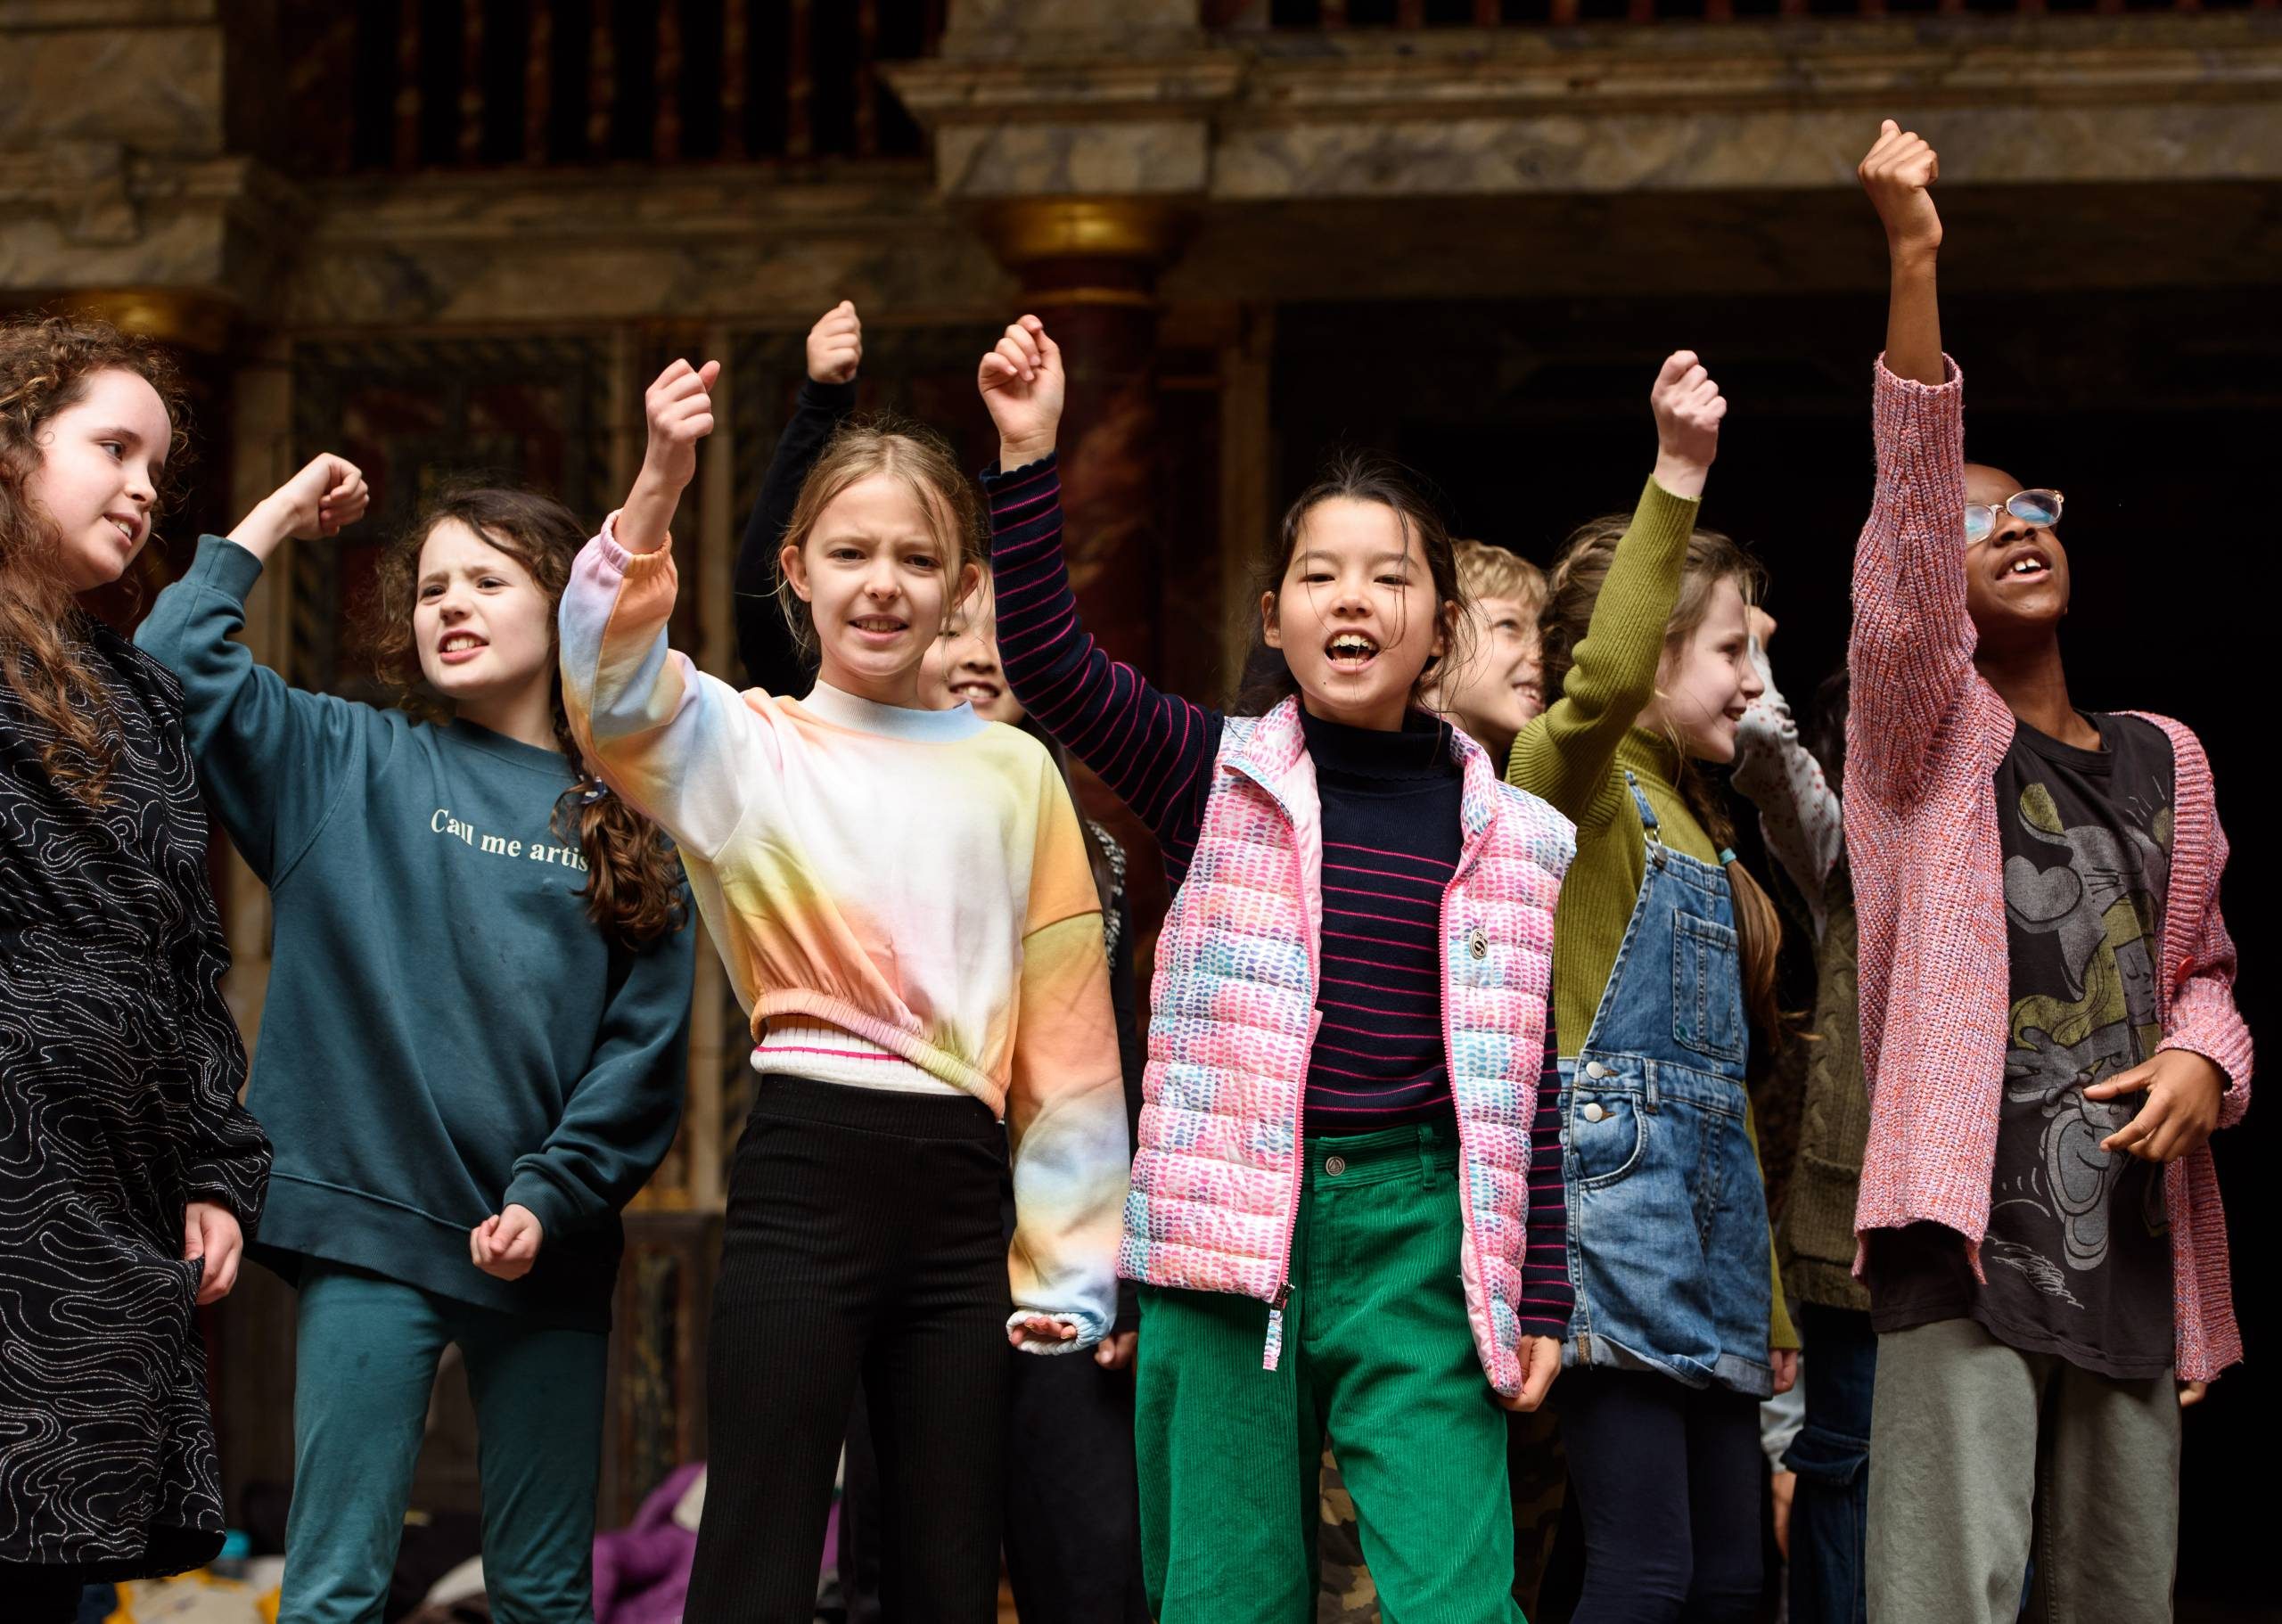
(1912,648)
(680,745)
(827,397)
(1798,810)
(1566,754)
(1153,748)
(271,758)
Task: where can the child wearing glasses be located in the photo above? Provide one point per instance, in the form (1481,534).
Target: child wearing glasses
(2040,1227)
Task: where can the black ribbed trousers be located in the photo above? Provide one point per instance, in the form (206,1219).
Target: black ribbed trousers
(862,1243)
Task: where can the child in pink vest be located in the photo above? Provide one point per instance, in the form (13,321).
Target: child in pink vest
(1346,1213)
(2048,1032)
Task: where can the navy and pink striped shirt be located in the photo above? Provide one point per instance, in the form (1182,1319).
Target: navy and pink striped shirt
(1390,834)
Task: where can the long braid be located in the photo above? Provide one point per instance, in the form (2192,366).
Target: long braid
(632,880)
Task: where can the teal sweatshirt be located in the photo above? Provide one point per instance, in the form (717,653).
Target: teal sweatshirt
(446,1033)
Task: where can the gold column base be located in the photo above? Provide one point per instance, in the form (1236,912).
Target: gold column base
(184,318)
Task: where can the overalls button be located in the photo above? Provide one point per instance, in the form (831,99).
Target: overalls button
(1334,1165)
(1593,1113)
(1594,1069)
(1480,945)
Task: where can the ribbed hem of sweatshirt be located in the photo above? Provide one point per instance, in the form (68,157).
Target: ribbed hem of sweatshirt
(839,1013)
(569,1285)
(796,1047)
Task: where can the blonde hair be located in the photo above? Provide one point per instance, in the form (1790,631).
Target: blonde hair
(923,461)
(1485,571)
(1575,586)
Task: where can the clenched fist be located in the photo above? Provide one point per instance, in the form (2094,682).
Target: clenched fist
(1688,407)
(1898,174)
(1023,383)
(836,344)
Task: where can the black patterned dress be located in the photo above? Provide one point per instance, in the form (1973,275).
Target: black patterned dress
(120,1068)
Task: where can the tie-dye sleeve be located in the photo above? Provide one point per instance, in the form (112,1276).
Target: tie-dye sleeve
(1065,1104)
(681,746)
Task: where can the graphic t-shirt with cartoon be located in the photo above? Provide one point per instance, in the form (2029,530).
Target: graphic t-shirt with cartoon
(2078,1253)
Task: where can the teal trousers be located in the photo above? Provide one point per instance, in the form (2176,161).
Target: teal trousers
(1377,1353)
(366,1355)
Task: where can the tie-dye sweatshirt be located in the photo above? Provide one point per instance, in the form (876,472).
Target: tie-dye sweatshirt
(913,880)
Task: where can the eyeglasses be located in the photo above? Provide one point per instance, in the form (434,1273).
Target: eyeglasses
(2040,508)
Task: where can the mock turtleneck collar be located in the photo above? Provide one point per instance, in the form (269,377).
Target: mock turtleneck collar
(1420,749)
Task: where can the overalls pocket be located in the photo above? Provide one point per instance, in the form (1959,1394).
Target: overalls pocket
(1707,988)
(1608,1133)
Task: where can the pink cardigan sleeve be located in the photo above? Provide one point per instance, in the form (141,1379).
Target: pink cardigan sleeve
(1913,642)
(2198,954)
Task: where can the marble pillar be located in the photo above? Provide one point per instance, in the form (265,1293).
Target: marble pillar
(1089,269)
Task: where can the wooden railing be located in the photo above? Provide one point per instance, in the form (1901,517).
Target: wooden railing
(412,85)
(1329,14)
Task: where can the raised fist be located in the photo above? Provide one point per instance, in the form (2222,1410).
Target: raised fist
(679,409)
(1688,407)
(836,344)
(1022,382)
(1897,174)
(324,495)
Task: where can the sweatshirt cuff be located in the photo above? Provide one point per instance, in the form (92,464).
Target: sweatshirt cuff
(1663,519)
(625,562)
(995,478)
(1089,1327)
(547,1203)
(221,565)
(838,399)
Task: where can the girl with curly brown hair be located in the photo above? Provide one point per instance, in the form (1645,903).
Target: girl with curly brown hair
(129,1173)
(472,1050)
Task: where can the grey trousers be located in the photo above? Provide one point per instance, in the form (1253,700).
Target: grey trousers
(1986,1455)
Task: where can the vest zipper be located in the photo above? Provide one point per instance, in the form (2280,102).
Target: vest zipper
(1466,1160)
(1272,1351)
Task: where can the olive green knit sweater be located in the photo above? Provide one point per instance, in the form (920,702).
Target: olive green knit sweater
(1576,755)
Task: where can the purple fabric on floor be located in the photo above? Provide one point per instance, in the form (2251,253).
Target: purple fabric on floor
(642,1570)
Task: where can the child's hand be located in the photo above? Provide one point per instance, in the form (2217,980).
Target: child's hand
(1540,1358)
(1761,625)
(836,344)
(1040,1328)
(679,410)
(1115,1350)
(1688,406)
(1022,382)
(1785,1363)
(2192,1393)
(324,495)
(1897,175)
(506,1244)
(316,502)
(2182,1109)
(210,1231)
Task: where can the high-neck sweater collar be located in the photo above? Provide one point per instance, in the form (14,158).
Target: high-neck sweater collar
(1418,750)
(1651,756)
(845,709)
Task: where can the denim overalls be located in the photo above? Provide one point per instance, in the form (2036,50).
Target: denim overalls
(1667,1248)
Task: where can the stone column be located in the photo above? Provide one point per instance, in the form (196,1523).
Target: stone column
(1089,269)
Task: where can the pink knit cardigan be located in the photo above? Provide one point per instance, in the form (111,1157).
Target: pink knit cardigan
(1924,739)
